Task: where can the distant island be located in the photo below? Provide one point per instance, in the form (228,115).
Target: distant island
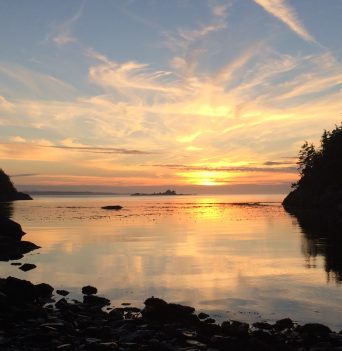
(8,192)
(320,185)
(165,193)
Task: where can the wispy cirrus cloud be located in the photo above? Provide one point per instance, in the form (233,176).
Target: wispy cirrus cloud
(98,150)
(252,169)
(6,105)
(63,33)
(20,175)
(132,75)
(30,82)
(279,163)
(199,108)
(285,13)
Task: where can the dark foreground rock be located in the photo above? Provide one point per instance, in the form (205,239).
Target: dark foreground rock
(27,267)
(27,322)
(11,245)
(10,230)
(89,290)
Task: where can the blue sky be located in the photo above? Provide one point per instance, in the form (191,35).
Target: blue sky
(120,94)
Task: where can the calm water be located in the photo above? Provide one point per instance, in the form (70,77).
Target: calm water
(216,253)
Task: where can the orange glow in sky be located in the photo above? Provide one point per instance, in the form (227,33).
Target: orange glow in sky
(165,94)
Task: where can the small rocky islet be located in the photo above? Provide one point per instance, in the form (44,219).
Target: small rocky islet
(32,317)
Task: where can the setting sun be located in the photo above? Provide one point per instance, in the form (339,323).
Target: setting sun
(232,87)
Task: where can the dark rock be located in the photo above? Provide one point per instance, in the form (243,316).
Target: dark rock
(11,248)
(89,290)
(209,320)
(62,292)
(112,207)
(203,315)
(158,309)
(16,264)
(3,299)
(264,336)
(222,342)
(116,314)
(262,325)
(19,291)
(44,290)
(27,246)
(27,267)
(208,330)
(14,250)
(197,344)
(131,309)
(316,329)
(282,324)
(235,328)
(10,229)
(83,326)
(104,346)
(62,304)
(64,347)
(95,300)
(15,197)
(262,341)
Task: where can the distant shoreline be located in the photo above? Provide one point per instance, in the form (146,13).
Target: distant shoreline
(76,193)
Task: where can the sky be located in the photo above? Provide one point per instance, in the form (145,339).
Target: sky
(193,95)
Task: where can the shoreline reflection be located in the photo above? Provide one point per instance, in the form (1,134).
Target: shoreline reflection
(322,237)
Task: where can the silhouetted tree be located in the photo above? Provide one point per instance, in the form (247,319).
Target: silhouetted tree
(317,167)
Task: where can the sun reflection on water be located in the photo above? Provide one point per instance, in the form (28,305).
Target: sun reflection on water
(215,253)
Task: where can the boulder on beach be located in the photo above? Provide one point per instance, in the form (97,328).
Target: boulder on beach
(158,309)
(94,300)
(31,324)
(19,291)
(89,290)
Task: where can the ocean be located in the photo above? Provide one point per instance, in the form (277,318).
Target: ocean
(238,257)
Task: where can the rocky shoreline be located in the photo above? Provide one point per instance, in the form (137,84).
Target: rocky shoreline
(12,247)
(8,192)
(33,317)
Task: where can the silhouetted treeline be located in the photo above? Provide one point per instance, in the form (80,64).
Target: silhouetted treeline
(320,183)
